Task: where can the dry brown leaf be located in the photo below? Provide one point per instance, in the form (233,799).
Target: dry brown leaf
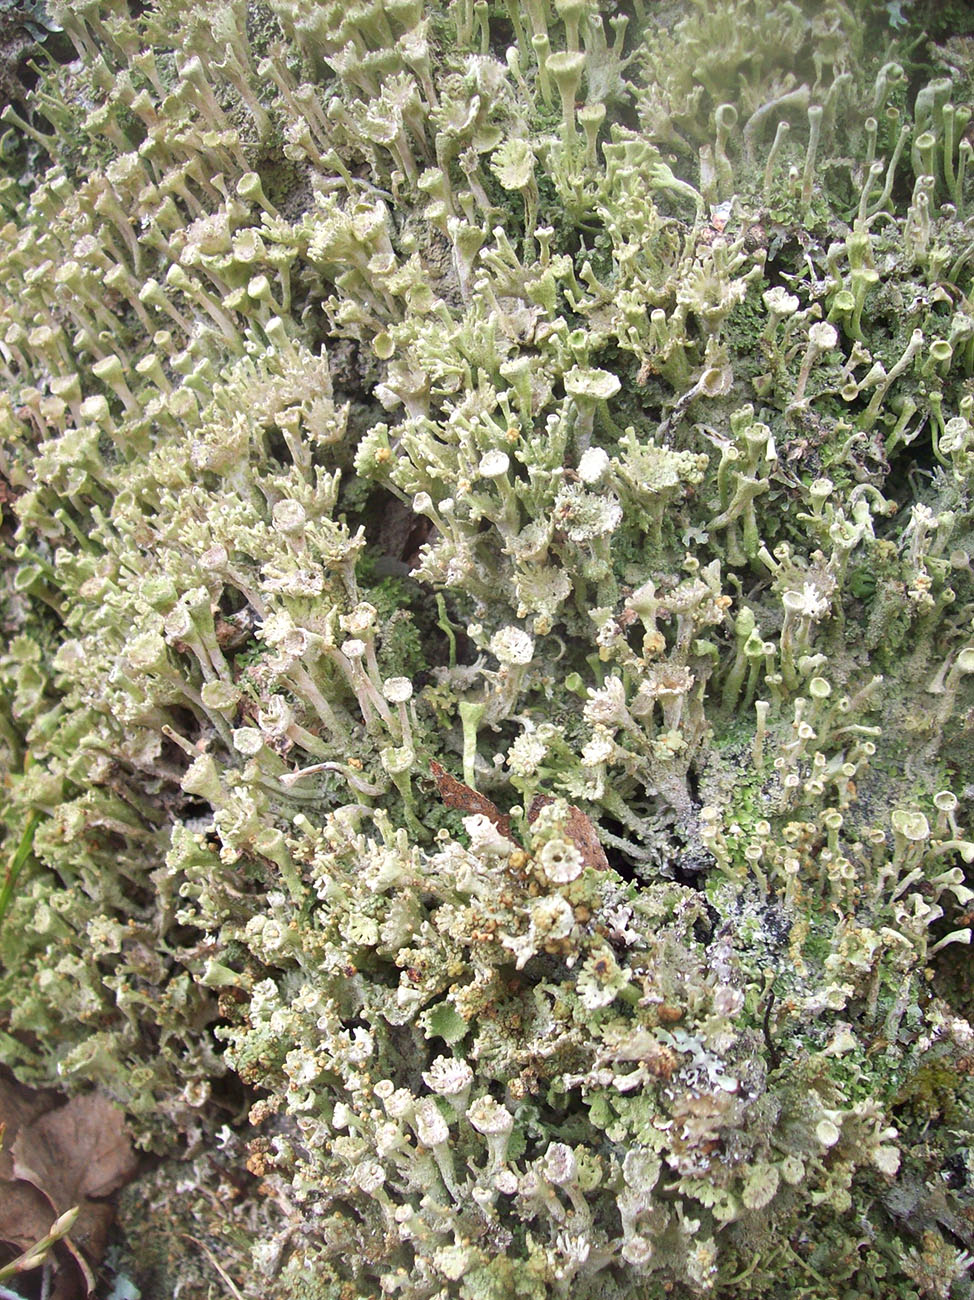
(18,1106)
(71,1154)
(25,1215)
(57,1157)
(579,828)
(455,794)
(79,1150)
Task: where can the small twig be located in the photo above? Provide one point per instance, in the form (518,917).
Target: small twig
(774,1055)
(223,1273)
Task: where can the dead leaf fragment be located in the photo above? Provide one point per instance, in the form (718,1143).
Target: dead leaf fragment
(456,794)
(579,828)
(74,1153)
(25,1215)
(79,1150)
(57,1157)
(19,1106)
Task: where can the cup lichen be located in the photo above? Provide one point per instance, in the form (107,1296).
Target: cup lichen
(573,398)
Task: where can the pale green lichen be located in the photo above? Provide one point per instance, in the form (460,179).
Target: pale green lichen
(578,396)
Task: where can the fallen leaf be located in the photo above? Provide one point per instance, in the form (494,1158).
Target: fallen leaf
(79,1150)
(18,1106)
(455,794)
(25,1215)
(56,1157)
(579,828)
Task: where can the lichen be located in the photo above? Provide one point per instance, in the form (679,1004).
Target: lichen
(487,687)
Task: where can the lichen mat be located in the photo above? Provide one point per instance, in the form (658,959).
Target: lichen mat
(487,673)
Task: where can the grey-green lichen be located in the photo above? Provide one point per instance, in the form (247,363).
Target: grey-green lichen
(577,395)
